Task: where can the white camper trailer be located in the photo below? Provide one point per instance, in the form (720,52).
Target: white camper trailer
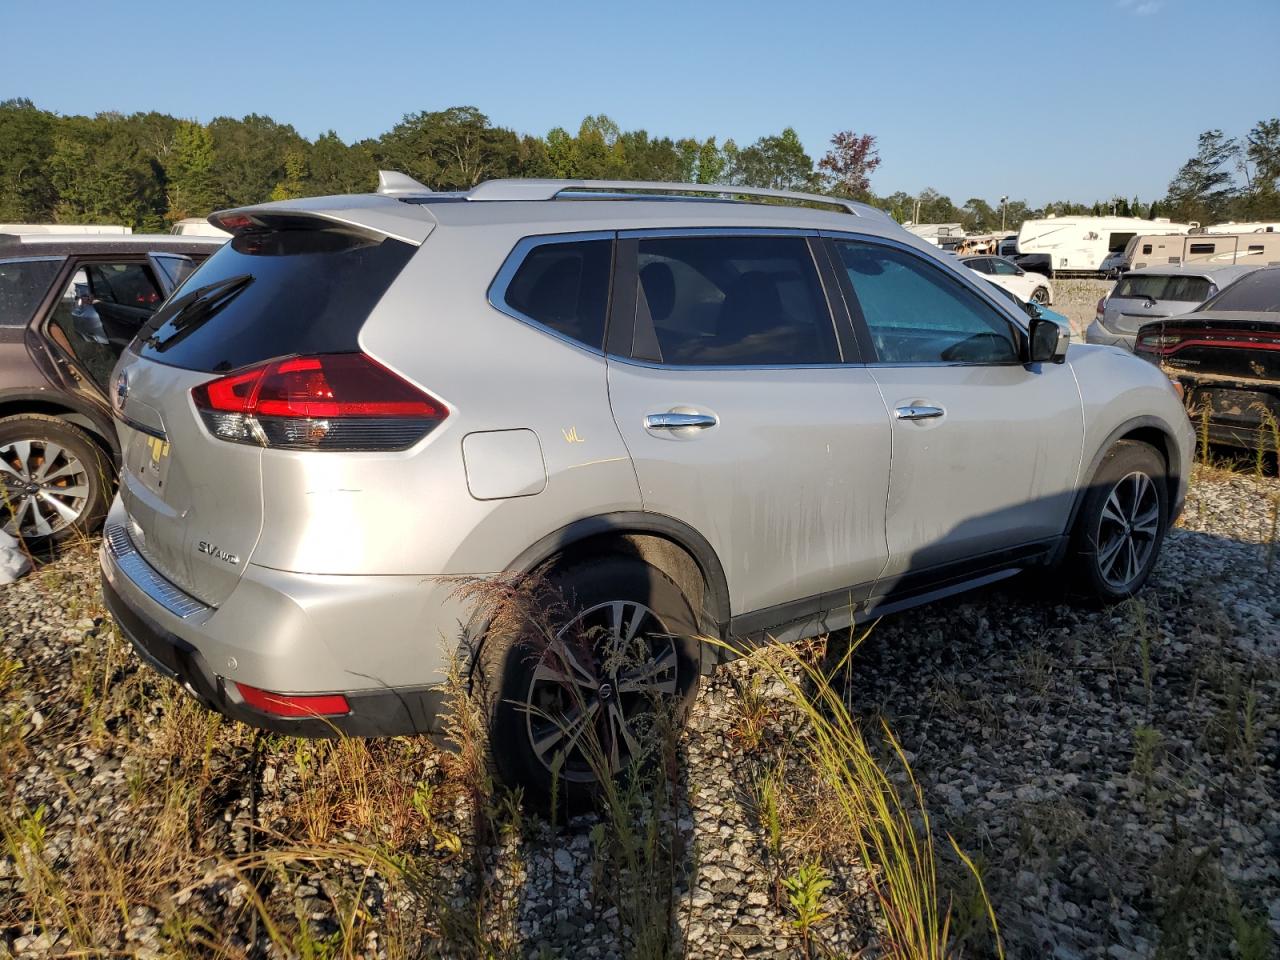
(198,227)
(39,229)
(1071,244)
(1232,227)
(939,234)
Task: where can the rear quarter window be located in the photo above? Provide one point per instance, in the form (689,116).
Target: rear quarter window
(23,284)
(274,294)
(565,287)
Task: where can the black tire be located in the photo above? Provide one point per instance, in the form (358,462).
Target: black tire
(1041,296)
(1121,524)
(47,501)
(516,663)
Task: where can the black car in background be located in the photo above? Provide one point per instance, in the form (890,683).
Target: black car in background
(69,304)
(1225,356)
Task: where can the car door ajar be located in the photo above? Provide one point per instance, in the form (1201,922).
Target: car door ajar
(743,422)
(986,449)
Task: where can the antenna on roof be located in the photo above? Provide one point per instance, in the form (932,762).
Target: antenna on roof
(392,183)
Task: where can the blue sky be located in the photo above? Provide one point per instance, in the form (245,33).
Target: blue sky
(1037,100)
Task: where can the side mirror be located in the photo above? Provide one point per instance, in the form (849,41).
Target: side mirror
(1046,341)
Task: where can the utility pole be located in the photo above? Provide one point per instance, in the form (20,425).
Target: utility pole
(1004,201)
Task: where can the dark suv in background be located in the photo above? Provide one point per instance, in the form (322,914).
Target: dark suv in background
(69,304)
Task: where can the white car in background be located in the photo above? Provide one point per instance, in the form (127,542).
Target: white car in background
(1034,287)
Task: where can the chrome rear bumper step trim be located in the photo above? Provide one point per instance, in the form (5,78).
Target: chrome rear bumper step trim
(144,576)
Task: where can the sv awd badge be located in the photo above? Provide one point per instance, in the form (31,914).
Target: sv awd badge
(213,550)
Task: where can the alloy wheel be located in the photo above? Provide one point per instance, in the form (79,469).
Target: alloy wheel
(45,488)
(1040,295)
(591,699)
(1127,530)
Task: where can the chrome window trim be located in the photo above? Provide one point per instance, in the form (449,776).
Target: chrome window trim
(131,564)
(650,233)
(708,368)
(497,293)
(970,281)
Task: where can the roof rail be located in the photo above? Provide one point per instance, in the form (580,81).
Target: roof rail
(551,189)
(392,183)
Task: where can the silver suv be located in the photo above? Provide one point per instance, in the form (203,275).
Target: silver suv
(693,416)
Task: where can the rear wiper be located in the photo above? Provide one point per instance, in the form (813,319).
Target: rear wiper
(196,309)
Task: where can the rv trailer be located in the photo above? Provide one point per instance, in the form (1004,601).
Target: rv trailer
(41,229)
(1232,227)
(1080,245)
(1246,249)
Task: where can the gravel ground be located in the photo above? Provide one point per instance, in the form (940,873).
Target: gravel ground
(1077,300)
(1112,772)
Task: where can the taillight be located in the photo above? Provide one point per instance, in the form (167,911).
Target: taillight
(1101,308)
(334,401)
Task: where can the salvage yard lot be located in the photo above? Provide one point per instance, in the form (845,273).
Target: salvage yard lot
(1112,773)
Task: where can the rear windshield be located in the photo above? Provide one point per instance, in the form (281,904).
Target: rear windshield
(266,295)
(23,284)
(1157,287)
(1257,292)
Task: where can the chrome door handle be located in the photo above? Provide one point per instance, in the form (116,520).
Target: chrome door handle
(679,421)
(914,412)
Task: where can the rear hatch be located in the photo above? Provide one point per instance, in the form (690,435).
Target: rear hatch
(1141,298)
(192,472)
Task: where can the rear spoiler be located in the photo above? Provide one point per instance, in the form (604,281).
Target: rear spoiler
(375,215)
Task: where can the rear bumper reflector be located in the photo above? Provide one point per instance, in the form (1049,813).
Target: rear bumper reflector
(289,705)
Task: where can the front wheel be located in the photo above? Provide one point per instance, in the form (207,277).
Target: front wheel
(1121,523)
(585,687)
(1040,296)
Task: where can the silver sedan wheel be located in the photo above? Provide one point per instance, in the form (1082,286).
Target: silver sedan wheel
(590,703)
(1127,529)
(1040,295)
(46,488)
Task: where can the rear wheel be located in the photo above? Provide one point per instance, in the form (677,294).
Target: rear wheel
(589,692)
(56,480)
(1121,524)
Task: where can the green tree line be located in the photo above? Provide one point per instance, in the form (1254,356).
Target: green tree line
(148,170)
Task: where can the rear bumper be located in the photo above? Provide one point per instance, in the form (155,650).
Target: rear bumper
(1240,413)
(1097,333)
(384,643)
(384,713)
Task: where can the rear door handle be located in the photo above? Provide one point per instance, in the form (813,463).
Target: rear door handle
(918,412)
(679,421)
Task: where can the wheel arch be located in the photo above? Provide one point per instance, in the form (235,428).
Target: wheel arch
(670,545)
(1152,431)
(16,403)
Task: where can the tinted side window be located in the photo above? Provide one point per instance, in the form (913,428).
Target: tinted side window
(981,265)
(915,313)
(1257,292)
(1004,269)
(123,284)
(76,327)
(565,286)
(728,301)
(23,284)
(176,268)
